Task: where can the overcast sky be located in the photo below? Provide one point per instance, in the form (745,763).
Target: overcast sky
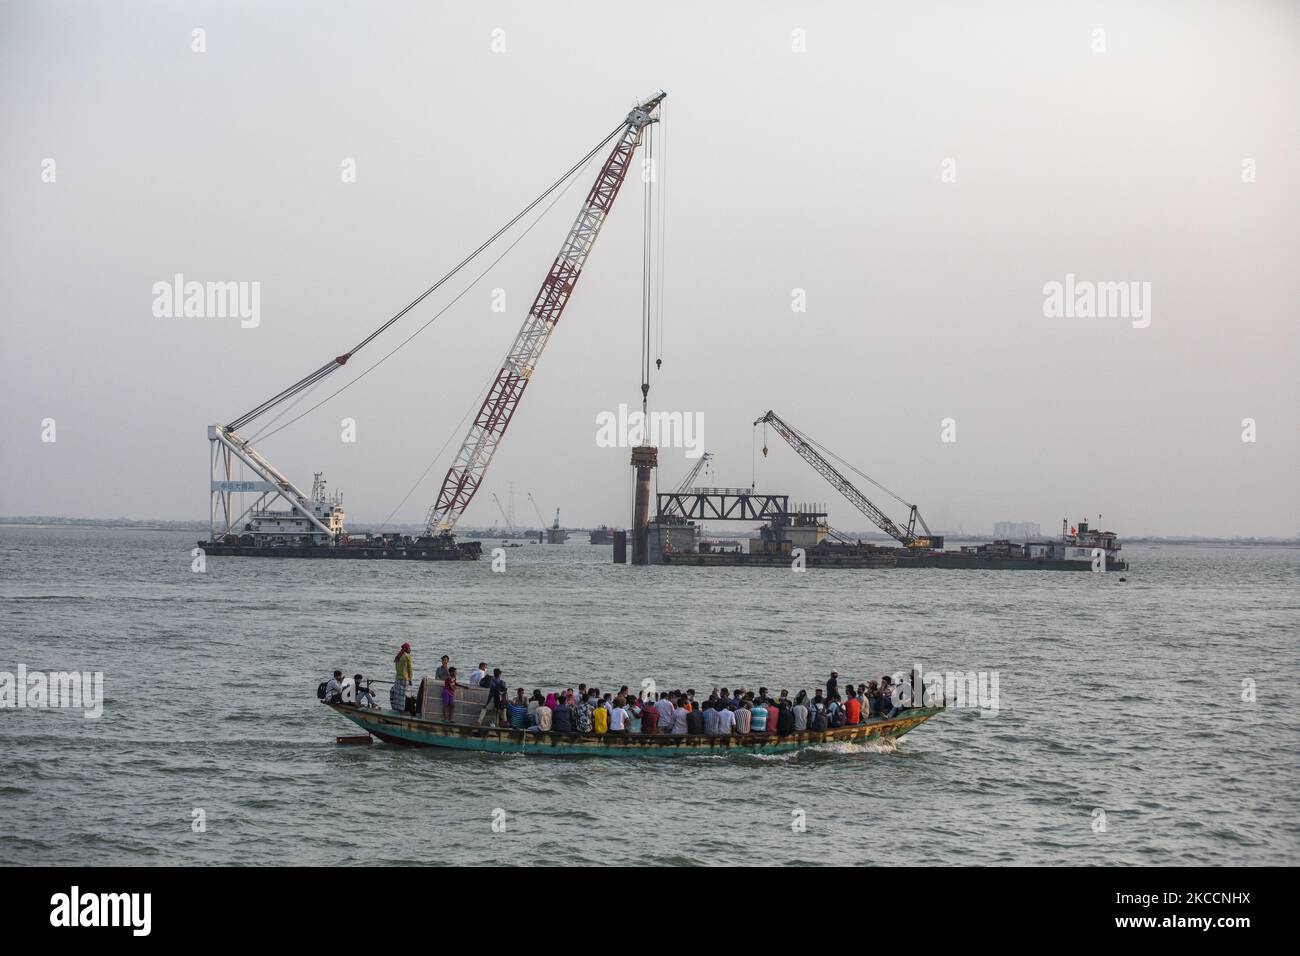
(1117,156)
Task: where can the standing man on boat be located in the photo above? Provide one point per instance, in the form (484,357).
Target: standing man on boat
(496,702)
(405,673)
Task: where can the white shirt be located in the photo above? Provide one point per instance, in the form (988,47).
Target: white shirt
(679,720)
(476,677)
(616,717)
(665,708)
(332,688)
(726,721)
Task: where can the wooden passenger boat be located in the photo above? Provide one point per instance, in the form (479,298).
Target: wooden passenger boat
(462,732)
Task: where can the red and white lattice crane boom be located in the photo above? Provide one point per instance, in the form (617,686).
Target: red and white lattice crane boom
(467,470)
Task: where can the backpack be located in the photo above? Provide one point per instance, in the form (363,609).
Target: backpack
(320,690)
(819,720)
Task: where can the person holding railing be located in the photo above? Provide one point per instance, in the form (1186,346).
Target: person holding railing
(365,697)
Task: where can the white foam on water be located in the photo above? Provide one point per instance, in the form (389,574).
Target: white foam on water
(886,745)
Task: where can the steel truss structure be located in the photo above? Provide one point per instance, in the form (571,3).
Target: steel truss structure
(227,448)
(723,504)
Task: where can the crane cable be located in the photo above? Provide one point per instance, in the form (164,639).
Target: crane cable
(663,229)
(803,437)
(482,392)
(338,362)
(460,295)
(861,474)
(647,270)
(429,467)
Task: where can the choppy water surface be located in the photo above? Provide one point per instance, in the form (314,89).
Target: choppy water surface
(1123,697)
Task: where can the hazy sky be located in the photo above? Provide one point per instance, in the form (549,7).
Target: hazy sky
(1112,156)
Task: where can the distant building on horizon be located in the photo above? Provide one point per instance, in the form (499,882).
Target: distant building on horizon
(1016,530)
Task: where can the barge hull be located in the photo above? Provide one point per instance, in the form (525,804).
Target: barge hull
(730,559)
(965,562)
(468,551)
(885,558)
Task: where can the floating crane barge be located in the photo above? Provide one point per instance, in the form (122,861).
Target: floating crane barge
(801,537)
(312,526)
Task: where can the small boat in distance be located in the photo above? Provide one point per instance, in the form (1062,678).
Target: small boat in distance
(431,728)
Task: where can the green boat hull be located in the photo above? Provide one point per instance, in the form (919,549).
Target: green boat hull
(392,727)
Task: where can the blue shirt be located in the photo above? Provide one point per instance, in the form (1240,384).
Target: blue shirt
(710,721)
(758,719)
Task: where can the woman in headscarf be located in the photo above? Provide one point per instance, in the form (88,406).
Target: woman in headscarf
(552,701)
(402,681)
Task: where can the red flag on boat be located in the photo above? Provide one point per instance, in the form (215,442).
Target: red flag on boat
(1072,531)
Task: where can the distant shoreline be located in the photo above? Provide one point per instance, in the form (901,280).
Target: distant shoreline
(127,524)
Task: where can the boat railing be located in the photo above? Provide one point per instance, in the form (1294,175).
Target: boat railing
(468,705)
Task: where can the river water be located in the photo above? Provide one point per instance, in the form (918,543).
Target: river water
(1120,733)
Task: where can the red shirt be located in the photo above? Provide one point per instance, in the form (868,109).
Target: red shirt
(649,720)
(855,710)
(773,716)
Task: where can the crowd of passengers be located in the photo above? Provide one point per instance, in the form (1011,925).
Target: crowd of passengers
(588,710)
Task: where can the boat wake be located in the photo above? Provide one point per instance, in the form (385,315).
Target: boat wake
(887,745)
(834,748)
